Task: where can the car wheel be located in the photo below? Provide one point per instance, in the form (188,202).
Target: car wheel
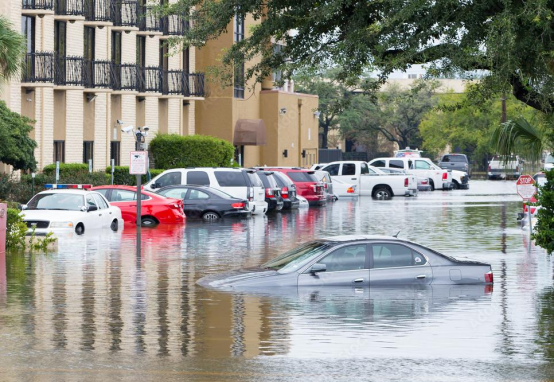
(210,216)
(148,222)
(382,193)
(80,229)
(432,185)
(455,185)
(114,226)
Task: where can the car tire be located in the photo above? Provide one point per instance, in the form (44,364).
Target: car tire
(80,229)
(210,216)
(148,222)
(114,226)
(455,185)
(382,193)
(432,185)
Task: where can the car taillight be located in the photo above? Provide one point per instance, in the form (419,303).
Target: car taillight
(269,193)
(285,192)
(489,168)
(406,182)
(489,277)
(425,181)
(250,194)
(350,190)
(238,205)
(444,175)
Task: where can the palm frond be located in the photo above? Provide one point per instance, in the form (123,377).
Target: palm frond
(519,137)
(12,50)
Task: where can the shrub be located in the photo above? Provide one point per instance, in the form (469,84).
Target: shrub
(543,232)
(121,175)
(67,169)
(16,230)
(176,151)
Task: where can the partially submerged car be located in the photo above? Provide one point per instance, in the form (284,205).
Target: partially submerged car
(356,260)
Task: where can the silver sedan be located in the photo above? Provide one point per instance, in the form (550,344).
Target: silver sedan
(356,261)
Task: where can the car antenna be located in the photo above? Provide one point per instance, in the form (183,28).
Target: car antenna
(396,236)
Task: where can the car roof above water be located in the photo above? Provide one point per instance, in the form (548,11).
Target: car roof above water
(346,238)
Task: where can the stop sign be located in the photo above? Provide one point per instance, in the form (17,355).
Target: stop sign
(526,187)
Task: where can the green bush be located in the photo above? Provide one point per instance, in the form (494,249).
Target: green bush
(121,175)
(176,151)
(16,230)
(543,232)
(67,169)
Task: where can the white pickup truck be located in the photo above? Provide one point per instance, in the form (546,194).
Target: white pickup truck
(372,181)
(420,167)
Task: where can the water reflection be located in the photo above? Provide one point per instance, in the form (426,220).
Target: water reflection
(96,300)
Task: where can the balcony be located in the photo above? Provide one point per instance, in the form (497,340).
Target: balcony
(98,74)
(38,67)
(68,71)
(37,7)
(124,77)
(124,14)
(69,9)
(174,25)
(177,82)
(98,12)
(148,21)
(150,80)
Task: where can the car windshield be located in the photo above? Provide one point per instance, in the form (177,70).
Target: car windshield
(549,159)
(56,201)
(292,260)
(301,177)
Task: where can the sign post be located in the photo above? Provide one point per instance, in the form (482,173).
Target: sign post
(138,166)
(525,186)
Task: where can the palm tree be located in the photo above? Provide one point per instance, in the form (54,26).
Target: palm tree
(12,50)
(522,138)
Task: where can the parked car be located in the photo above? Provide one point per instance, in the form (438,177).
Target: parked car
(455,162)
(306,184)
(288,191)
(549,162)
(64,208)
(421,167)
(318,166)
(372,181)
(272,190)
(504,167)
(422,183)
(155,209)
(334,187)
(408,153)
(238,182)
(356,261)
(206,202)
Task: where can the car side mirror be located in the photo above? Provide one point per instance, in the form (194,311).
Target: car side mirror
(154,186)
(92,208)
(23,207)
(316,268)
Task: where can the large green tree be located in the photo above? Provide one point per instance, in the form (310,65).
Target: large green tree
(507,42)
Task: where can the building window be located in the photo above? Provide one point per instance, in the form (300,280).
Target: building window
(89,38)
(141,51)
(88,151)
(60,37)
(115,154)
(239,28)
(412,76)
(116,47)
(186,60)
(59,151)
(28,30)
(238,80)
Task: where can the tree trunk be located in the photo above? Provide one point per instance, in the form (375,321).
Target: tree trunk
(325,134)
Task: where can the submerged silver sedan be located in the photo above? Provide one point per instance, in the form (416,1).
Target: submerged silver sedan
(356,261)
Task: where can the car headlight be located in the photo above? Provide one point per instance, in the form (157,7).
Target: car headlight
(61,225)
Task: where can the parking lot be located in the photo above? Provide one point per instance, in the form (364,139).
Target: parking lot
(93,310)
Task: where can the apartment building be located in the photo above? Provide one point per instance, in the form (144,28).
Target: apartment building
(269,125)
(92,63)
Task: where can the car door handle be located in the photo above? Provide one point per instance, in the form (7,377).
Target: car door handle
(132,205)
(358,281)
(421,277)
(99,214)
(354,178)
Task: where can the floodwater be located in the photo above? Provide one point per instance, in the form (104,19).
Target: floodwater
(94,311)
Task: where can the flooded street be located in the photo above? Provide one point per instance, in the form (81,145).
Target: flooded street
(93,311)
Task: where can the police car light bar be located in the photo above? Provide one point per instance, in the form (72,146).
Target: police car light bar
(67,186)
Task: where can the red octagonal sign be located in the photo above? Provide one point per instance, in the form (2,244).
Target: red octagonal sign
(526,187)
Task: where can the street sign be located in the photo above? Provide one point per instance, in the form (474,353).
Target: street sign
(526,187)
(139,163)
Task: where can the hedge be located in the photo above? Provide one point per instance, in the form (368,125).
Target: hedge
(66,169)
(176,151)
(121,175)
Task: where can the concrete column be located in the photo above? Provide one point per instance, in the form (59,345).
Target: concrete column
(74,126)
(174,114)
(101,134)
(128,114)
(45,114)
(151,116)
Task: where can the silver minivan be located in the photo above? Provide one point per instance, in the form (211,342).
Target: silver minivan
(238,182)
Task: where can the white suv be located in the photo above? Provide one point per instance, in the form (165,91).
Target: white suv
(238,182)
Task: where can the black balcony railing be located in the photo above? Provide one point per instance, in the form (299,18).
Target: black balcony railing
(174,25)
(150,79)
(124,13)
(68,70)
(124,77)
(98,74)
(98,10)
(38,4)
(38,67)
(69,7)
(194,85)
(148,20)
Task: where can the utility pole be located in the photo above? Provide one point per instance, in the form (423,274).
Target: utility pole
(503,118)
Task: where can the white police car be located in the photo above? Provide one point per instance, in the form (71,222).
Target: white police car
(66,208)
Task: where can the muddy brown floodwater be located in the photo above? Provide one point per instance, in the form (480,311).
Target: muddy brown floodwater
(93,311)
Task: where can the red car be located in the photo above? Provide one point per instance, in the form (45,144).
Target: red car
(155,209)
(306,184)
